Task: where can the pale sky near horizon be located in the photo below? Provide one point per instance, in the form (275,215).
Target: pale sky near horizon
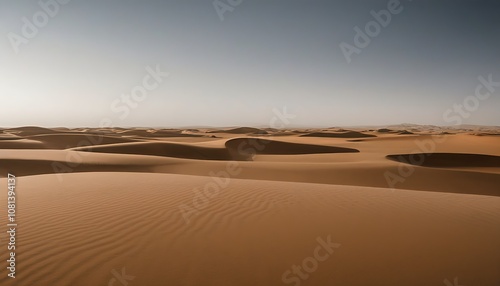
(263,55)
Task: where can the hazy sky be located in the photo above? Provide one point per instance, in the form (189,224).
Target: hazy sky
(232,67)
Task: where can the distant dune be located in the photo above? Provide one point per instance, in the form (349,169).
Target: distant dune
(157,133)
(69,140)
(405,132)
(241,130)
(30,130)
(347,134)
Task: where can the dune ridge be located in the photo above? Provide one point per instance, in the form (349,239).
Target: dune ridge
(346,134)
(447,159)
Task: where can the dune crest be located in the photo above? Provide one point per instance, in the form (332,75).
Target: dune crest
(246,148)
(346,134)
(447,159)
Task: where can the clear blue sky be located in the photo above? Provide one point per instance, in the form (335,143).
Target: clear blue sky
(262,55)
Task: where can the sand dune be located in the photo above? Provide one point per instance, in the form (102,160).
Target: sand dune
(8,136)
(38,167)
(486,134)
(66,141)
(347,134)
(393,137)
(448,160)
(246,148)
(291,158)
(162,149)
(157,133)
(405,132)
(236,149)
(385,130)
(87,210)
(20,143)
(77,231)
(30,130)
(342,173)
(241,130)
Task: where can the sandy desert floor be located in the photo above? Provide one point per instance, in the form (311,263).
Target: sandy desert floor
(248,206)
